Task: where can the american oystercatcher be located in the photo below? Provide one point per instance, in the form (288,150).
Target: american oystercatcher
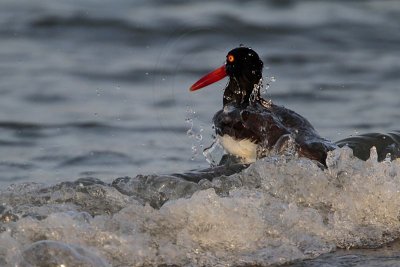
(250,127)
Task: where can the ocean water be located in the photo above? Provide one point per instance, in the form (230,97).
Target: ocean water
(94,93)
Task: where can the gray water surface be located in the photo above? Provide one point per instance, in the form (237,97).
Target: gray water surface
(100,89)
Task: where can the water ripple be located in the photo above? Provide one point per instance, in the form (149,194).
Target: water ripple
(98,158)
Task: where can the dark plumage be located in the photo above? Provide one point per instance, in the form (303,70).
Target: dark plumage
(247,116)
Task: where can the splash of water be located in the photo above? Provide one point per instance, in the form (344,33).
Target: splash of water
(259,89)
(214,153)
(194,133)
(269,81)
(256,89)
(278,210)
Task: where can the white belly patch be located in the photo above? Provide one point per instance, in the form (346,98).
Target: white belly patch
(245,148)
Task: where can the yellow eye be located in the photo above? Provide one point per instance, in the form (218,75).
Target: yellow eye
(231,58)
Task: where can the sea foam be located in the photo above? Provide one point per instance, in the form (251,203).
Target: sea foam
(278,210)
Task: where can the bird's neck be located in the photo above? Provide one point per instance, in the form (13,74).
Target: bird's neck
(239,92)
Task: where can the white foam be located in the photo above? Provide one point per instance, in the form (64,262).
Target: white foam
(278,210)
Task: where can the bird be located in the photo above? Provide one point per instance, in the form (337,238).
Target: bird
(387,145)
(250,127)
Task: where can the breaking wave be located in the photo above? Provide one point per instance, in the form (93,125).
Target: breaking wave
(278,210)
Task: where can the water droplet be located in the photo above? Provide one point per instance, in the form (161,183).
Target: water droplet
(190,133)
(199,137)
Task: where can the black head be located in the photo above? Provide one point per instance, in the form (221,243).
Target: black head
(244,68)
(243,63)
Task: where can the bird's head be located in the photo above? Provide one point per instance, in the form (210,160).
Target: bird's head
(244,67)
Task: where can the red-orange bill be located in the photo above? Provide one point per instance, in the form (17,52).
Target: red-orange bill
(209,78)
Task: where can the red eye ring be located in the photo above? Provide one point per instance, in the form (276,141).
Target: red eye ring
(231,58)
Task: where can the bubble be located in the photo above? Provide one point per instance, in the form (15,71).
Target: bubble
(199,137)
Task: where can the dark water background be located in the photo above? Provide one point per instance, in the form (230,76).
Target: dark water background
(100,88)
